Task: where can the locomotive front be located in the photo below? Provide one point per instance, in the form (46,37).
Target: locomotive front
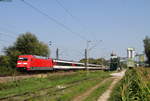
(23,62)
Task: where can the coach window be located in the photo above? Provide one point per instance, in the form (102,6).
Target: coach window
(63,64)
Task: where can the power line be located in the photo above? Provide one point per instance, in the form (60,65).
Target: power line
(8,35)
(54,20)
(12,32)
(66,10)
(4,42)
(74,17)
(94,45)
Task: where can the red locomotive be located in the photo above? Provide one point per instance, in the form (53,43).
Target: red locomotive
(33,62)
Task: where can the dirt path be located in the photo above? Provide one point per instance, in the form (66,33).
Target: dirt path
(87,93)
(117,77)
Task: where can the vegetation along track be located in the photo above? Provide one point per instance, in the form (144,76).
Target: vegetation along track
(116,78)
(52,86)
(83,96)
(135,86)
(4,79)
(101,91)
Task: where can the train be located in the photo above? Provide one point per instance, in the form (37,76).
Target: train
(37,63)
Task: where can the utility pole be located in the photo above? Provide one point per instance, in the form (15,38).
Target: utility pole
(86,54)
(57,53)
(49,43)
(87,50)
(86,62)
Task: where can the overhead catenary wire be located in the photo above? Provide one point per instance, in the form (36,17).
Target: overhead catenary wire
(11,36)
(10,31)
(4,41)
(66,10)
(73,17)
(94,45)
(53,19)
(62,51)
(76,19)
(78,53)
(8,35)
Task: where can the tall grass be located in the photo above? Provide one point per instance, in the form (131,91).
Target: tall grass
(133,86)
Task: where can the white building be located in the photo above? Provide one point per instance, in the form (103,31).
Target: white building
(131,53)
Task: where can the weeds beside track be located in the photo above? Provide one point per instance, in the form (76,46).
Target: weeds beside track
(51,87)
(134,86)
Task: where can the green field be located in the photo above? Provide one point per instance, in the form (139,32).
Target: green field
(135,86)
(55,88)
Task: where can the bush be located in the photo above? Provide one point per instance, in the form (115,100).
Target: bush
(5,71)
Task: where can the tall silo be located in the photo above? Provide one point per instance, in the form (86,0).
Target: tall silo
(130,53)
(131,57)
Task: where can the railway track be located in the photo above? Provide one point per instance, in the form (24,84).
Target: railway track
(39,74)
(47,91)
(4,79)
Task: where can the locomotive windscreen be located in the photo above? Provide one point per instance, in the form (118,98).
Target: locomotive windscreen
(23,59)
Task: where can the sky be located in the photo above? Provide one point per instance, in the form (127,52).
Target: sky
(111,25)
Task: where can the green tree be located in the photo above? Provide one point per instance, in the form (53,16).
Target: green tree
(147,48)
(4,61)
(26,44)
(29,44)
(12,53)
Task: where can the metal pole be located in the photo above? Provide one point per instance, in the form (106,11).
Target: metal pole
(57,53)
(86,58)
(50,43)
(87,53)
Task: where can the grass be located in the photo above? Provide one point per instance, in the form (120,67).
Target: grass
(99,91)
(116,93)
(45,88)
(134,86)
(73,91)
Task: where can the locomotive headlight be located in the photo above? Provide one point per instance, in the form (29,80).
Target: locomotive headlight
(25,63)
